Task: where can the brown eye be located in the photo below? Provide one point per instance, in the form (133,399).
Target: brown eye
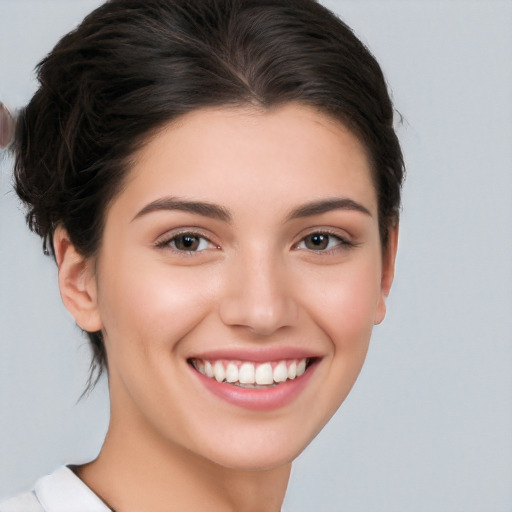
(317,241)
(323,242)
(186,242)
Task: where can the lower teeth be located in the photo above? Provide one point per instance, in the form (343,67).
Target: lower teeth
(253,386)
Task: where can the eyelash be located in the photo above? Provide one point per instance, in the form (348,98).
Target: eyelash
(341,242)
(169,242)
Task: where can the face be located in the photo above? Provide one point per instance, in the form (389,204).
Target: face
(238,282)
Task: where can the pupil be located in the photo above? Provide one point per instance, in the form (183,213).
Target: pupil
(318,241)
(187,242)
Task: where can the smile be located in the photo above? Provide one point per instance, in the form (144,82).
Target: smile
(252,375)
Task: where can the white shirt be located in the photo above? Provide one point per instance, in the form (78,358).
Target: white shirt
(62,491)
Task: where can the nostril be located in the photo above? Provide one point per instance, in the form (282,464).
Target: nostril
(259,319)
(258,295)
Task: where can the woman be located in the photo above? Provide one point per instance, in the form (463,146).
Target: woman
(219,183)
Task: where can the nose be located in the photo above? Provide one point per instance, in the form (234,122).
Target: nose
(258,295)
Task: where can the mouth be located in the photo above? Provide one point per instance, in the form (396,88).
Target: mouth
(252,375)
(262,380)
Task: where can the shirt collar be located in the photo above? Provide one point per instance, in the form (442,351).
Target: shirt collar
(63,491)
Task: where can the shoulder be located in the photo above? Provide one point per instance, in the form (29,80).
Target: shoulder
(26,502)
(62,491)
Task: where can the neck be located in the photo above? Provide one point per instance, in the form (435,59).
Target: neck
(136,470)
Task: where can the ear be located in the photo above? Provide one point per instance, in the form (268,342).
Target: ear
(388,273)
(77,282)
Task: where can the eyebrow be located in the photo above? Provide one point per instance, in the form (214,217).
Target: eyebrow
(198,207)
(214,211)
(327,205)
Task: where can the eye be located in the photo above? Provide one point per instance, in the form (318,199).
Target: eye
(320,241)
(187,242)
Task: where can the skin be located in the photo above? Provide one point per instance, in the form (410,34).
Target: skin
(256,283)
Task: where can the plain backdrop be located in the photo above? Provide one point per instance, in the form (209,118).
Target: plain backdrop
(428,426)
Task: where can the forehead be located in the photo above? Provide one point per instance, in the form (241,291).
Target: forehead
(230,155)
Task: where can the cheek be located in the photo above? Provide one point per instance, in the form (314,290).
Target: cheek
(151,305)
(342,305)
(345,302)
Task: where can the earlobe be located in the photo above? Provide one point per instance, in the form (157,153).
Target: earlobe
(77,282)
(388,273)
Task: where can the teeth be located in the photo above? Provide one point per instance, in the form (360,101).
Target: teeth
(292,371)
(232,373)
(218,371)
(280,372)
(200,367)
(248,374)
(208,370)
(264,374)
(301,367)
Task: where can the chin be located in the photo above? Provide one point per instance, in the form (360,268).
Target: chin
(255,460)
(267,449)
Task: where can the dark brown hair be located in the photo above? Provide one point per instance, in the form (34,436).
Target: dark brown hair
(134,65)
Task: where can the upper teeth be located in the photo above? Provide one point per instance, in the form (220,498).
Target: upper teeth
(247,373)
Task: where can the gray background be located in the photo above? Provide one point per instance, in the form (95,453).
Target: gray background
(428,426)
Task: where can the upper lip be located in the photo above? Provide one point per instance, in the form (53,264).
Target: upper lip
(257,355)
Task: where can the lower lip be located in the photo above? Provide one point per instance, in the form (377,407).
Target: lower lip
(258,399)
